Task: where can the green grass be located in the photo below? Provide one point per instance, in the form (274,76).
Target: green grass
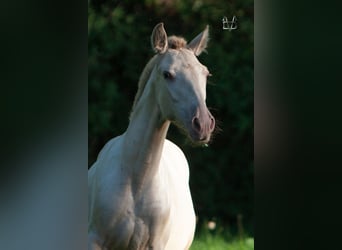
(217,242)
(220,239)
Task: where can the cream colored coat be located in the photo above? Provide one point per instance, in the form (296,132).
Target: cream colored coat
(139,196)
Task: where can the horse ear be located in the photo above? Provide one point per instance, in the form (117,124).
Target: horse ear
(159,39)
(199,43)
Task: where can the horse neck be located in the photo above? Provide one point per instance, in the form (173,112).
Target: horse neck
(144,140)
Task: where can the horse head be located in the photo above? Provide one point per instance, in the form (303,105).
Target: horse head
(181,83)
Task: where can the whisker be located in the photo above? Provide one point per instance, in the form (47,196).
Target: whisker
(211,83)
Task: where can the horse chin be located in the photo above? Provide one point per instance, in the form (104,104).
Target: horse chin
(197,140)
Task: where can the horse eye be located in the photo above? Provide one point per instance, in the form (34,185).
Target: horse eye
(167,75)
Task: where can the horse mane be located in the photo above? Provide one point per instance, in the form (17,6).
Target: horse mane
(174,42)
(145,75)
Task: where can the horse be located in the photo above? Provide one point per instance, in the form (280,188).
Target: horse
(138,188)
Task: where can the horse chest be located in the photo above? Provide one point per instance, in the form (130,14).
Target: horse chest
(157,215)
(143,223)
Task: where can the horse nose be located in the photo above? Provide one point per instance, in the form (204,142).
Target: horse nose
(196,124)
(212,123)
(203,125)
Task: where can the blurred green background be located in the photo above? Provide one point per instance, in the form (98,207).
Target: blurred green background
(221,175)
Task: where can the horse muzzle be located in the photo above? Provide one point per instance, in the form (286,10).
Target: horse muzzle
(202,125)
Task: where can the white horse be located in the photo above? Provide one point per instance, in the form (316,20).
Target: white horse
(139,196)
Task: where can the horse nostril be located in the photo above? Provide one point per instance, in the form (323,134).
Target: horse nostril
(196,124)
(212,124)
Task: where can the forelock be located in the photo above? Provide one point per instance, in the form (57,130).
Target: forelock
(176,42)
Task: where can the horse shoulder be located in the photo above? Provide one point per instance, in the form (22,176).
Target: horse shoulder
(108,197)
(174,157)
(106,163)
(182,211)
